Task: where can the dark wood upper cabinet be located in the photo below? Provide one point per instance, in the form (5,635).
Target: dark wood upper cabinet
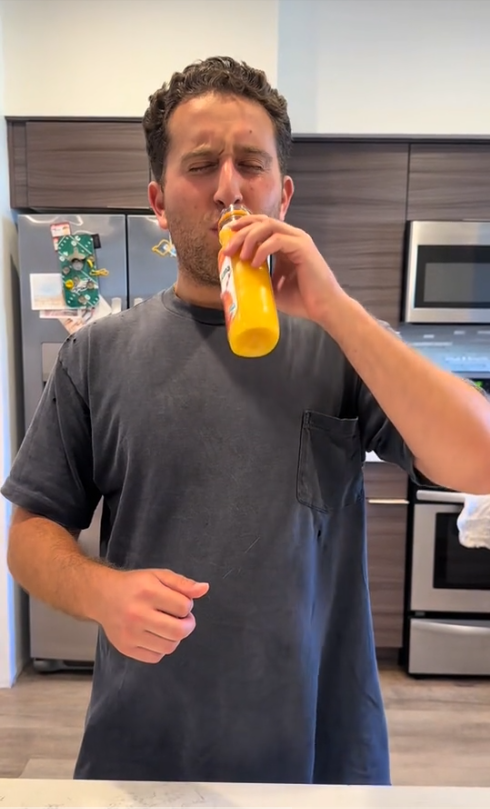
(449,181)
(16,135)
(86,164)
(351,198)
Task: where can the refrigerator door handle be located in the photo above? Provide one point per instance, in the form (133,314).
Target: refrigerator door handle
(116,305)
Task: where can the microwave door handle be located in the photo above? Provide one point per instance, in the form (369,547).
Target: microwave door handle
(428,496)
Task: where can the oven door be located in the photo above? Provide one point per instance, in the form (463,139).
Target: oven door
(446,576)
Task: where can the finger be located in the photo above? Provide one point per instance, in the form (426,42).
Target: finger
(267,248)
(181,584)
(244,241)
(244,221)
(171,602)
(255,221)
(253,238)
(279,283)
(152,643)
(144,655)
(169,628)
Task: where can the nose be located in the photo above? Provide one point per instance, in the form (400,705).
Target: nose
(229,191)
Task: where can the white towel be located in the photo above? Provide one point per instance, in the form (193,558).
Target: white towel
(474,521)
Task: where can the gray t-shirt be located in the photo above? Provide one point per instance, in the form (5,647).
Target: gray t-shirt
(246,473)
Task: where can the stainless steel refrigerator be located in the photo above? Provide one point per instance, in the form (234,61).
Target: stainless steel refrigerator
(139,260)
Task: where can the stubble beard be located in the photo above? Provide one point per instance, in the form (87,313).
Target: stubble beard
(197,257)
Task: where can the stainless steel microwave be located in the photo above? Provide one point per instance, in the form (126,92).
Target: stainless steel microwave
(447,277)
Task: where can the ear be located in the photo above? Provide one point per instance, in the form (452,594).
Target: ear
(286,196)
(156,198)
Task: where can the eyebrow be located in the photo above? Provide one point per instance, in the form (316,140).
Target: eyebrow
(249,151)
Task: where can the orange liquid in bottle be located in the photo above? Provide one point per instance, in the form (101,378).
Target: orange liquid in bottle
(251,316)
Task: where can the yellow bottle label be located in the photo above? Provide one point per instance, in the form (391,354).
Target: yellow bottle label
(228,291)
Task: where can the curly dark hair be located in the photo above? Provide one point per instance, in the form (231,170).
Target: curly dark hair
(218,74)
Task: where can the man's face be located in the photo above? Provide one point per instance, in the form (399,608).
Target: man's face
(222,151)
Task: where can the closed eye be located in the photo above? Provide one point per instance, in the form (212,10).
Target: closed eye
(245,166)
(204,167)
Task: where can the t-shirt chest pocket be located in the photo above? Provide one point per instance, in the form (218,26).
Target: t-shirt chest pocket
(330,462)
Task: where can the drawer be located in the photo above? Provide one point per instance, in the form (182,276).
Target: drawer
(449,647)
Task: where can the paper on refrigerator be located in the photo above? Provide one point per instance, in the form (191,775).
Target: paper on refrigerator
(46,291)
(77,318)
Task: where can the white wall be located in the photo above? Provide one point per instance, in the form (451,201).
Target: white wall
(105,57)
(12,604)
(346,66)
(386,66)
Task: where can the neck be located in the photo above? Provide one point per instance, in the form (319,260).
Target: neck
(197,294)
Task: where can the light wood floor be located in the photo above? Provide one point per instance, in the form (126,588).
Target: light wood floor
(439,729)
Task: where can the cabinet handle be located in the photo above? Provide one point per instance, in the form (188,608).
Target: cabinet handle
(116,306)
(379,501)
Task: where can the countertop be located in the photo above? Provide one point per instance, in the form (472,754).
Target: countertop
(54,793)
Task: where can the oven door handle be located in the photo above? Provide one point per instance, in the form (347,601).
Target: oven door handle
(429,496)
(387,501)
(448,628)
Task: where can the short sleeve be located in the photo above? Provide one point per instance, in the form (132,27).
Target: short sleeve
(52,472)
(379,435)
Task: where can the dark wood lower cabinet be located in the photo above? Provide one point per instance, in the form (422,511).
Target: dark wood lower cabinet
(387,527)
(385,480)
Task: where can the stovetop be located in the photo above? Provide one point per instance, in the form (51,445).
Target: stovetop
(463,349)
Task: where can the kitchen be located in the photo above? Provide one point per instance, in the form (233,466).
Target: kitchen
(369,188)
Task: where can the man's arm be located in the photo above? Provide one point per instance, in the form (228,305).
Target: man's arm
(444,421)
(49,564)
(145,614)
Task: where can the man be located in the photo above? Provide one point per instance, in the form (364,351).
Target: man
(233,488)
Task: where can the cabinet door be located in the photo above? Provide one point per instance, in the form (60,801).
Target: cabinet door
(16,134)
(387,528)
(449,181)
(351,198)
(385,481)
(86,164)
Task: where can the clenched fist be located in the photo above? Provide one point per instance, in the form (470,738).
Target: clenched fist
(147,613)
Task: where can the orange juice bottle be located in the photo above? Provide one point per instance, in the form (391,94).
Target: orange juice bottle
(251,316)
